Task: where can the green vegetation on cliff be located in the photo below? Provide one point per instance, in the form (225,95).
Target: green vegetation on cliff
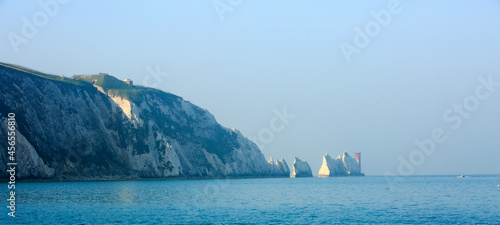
(107,82)
(44,75)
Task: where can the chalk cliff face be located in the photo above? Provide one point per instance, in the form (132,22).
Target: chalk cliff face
(301,168)
(71,129)
(344,165)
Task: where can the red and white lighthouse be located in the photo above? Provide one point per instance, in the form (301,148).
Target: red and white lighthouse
(358,158)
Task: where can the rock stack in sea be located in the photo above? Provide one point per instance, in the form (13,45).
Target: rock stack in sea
(301,168)
(280,168)
(344,165)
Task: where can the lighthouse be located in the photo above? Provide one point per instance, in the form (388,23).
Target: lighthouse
(358,159)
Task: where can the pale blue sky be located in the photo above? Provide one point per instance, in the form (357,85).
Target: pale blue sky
(273,54)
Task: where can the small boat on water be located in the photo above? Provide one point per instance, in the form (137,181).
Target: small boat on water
(461,176)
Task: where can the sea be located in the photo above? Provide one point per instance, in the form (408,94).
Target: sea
(332,200)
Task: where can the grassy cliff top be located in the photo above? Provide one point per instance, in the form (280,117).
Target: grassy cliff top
(43,75)
(105,81)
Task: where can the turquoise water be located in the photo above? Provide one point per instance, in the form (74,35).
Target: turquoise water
(417,199)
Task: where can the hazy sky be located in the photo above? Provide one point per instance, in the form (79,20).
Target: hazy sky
(358,76)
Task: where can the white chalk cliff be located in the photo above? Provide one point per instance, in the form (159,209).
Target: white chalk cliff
(344,165)
(98,127)
(301,168)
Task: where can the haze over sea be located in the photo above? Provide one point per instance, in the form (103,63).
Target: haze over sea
(371,199)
